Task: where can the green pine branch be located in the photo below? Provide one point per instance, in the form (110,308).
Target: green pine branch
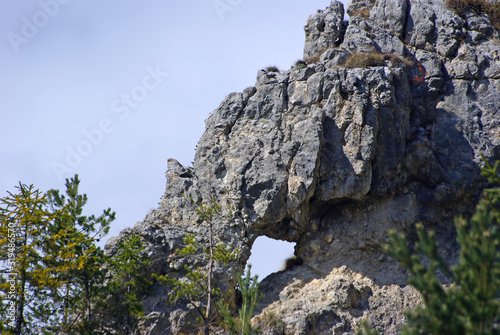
(56,279)
(471,304)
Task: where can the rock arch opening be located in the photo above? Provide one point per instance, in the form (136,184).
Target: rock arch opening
(268,255)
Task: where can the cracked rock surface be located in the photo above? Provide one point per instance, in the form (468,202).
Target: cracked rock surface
(331,158)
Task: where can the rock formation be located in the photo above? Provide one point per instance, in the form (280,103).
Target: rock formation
(330,157)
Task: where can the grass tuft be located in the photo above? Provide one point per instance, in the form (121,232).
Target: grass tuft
(367,59)
(292,261)
(272,69)
(488,7)
(364,13)
(314,58)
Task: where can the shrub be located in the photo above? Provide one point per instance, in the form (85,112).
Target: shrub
(272,69)
(290,262)
(300,64)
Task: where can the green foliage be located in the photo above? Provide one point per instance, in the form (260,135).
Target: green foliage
(249,288)
(190,246)
(471,304)
(75,258)
(23,279)
(492,195)
(207,212)
(128,279)
(300,64)
(54,279)
(50,247)
(196,288)
(193,287)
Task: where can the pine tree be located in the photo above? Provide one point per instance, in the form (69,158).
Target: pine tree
(249,288)
(23,285)
(197,287)
(471,304)
(49,246)
(74,259)
(54,278)
(128,279)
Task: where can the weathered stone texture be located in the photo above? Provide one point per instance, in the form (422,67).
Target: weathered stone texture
(331,157)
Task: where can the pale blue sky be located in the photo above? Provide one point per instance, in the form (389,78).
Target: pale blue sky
(112,89)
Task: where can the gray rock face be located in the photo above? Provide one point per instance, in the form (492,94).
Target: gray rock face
(324,30)
(390,15)
(330,158)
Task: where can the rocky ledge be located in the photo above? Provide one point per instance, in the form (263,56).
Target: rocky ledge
(382,126)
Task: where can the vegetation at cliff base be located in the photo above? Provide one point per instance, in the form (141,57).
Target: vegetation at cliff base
(54,279)
(470,305)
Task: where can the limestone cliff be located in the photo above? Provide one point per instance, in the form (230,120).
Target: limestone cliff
(330,157)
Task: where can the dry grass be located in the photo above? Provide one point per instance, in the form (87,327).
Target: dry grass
(367,59)
(489,7)
(272,69)
(315,58)
(292,261)
(364,13)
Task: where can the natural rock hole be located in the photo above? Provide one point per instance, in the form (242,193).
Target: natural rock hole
(269,255)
